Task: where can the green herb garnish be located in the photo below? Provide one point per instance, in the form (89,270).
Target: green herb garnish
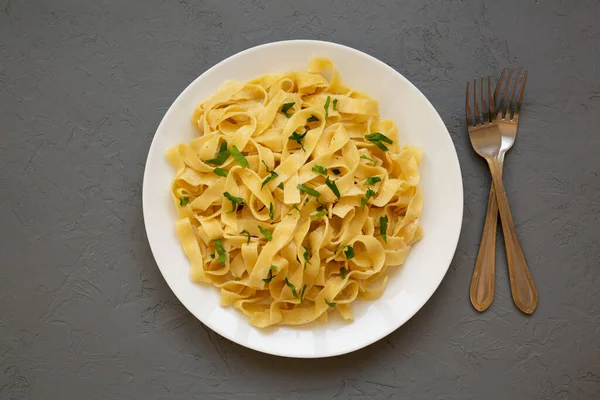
(297,137)
(212,255)
(235,201)
(336,171)
(383,221)
(302,294)
(286,107)
(272,175)
(331,305)
(378,139)
(269,277)
(220,251)
(368,158)
(271,211)
(183,201)
(308,190)
(319,170)
(326,106)
(335,104)
(266,166)
(280,186)
(239,157)
(220,171)
(363,200)
(296,208)
(306,255)
(291,286)
(349,252)
(266,233)
(372,180)
(221,157)
(312,119)
(331,185)
(247,233)
(318,214)
(343,272)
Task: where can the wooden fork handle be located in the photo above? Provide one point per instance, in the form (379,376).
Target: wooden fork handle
(482,282)
(524,293)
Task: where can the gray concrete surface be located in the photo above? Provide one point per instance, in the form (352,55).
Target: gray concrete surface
(84,311)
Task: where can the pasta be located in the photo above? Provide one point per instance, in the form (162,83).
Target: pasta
(296,198)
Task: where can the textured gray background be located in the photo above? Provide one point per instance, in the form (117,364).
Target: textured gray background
(84,311)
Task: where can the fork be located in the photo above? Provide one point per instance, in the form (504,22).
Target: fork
(482,283)
(487,139)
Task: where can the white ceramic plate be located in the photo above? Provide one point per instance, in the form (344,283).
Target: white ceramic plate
(410,286)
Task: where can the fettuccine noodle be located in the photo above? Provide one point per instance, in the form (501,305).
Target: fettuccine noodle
(295,198)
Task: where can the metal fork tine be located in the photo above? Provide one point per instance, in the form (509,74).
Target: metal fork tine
(499,85)
(468,105)
(511,107)
(503,105)
(520,99)
(492,101)
(475,104)
(484,108)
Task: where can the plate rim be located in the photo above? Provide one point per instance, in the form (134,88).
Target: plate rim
(385,332)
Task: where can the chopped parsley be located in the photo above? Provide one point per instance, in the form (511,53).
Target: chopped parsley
(297,137)
(349,252)
(296,208)
(247,233)
(302,294)
(235,201)
(318,214)
(378,139)
(368,158)
(280,186)
(343,272)
(220,171)
(309,191)
(331,185)
(364,200)
(331,305)
(286,107)
(271,211)
(335,104)
(269,277)
(266,166)
(312,119)
(239,157)
(221,157)
(266,233)
(183,201)
(326,106)
(372,180)
(383,221)
(291,286)
(319,170)
(220,251)
(272,175)
(212,255)
(336,171)
(306,255)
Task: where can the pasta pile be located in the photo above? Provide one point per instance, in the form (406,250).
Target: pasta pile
(295,198)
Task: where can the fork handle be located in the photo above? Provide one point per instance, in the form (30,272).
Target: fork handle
(482,282)
(524,293)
